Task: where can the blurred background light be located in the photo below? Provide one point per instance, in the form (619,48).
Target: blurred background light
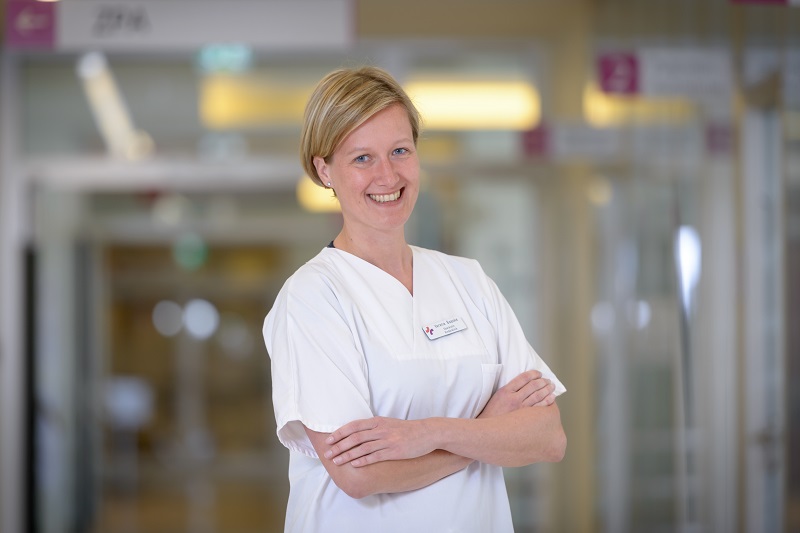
(600,191)
(230,57)
(246,100)
(639,314)
(689,257)
(128,402)
(109,110)
(603,110)
(603,317)
(171,210)
(314,198)
(200,318)
(190,251)
(167,318)
(476,105)
(234,337)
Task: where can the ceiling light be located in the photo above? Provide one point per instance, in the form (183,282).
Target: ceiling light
(476,105)
(236,101)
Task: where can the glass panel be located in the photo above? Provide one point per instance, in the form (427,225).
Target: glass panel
(187,440)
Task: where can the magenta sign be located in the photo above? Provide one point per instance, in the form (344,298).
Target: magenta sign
(536,142)
(30,24)
(618,73)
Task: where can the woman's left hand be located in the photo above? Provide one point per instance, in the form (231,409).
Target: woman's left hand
(368,441)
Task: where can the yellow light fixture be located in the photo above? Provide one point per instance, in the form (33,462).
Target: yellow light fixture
(233,101)
(316,199)
(605,110)
(476,105)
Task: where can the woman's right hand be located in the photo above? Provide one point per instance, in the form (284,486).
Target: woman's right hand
(528,389)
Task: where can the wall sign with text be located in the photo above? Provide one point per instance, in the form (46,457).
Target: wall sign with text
(155,25)
(696,73)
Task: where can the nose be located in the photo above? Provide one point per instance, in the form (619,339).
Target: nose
(385,173)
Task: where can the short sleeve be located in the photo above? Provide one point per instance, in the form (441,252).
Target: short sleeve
(319,375)
(515,352)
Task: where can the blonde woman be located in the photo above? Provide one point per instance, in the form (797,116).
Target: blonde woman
(402,381)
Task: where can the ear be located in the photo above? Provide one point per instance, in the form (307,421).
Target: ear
(322,168)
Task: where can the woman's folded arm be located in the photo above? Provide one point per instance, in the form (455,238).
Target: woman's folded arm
(520,425)
(525,436)
(387,476)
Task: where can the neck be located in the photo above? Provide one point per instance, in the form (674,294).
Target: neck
(389,252)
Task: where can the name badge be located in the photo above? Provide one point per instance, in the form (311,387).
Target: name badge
(444,327)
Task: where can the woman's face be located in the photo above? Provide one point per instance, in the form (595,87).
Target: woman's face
(375,172)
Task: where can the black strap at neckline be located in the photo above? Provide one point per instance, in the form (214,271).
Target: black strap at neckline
(330,245)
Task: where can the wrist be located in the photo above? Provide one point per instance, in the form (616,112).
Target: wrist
(444,436)
(444,432)
(433,429)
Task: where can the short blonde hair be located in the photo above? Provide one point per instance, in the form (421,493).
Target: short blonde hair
(341,102)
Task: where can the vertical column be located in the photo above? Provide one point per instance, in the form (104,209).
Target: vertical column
(570,268)
(762,359)
(715,343)
(58,215)
(12,427)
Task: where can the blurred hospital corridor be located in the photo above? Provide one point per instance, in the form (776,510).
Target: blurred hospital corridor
(627,171)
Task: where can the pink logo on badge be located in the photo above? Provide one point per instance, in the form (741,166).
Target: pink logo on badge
(444,327)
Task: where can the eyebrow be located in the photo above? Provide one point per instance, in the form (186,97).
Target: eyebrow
(402,140)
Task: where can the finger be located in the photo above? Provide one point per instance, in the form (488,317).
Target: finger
(515,384)
(537,384)
(351,441)
(549,400)
(372,458)
(354,453)
(348,429)
(539,394)
(533,386)
(523,379)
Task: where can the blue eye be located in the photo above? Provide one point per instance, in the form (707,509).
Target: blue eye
(361,159)
(400,151)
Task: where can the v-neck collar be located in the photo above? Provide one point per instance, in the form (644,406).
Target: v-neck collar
(358,259)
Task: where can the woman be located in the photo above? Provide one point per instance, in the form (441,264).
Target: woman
(402,382)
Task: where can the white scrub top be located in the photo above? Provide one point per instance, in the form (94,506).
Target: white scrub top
(347,341)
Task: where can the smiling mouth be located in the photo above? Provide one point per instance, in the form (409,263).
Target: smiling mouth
(384,198)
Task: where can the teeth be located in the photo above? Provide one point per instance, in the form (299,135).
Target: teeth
(385,197)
